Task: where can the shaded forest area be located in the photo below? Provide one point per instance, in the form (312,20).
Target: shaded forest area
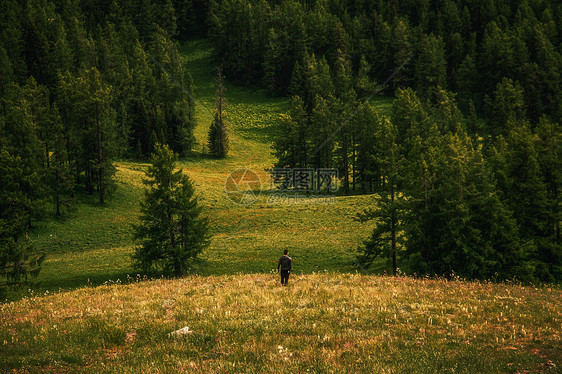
(81,84)
(467,165)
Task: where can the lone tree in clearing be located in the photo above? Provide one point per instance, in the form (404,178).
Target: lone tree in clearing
(171,231)
(218,132)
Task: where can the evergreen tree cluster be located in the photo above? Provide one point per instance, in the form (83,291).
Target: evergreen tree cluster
(451,197)
(467,167)
(468,47)
(82,83)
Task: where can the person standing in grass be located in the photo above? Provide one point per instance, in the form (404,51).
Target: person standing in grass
(285,263)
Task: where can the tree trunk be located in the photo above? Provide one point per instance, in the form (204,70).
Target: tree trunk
(100,157)
(393,230)
(57,186)
(353,161)
(89,186)
(345,163)
(426,239)
(173,244)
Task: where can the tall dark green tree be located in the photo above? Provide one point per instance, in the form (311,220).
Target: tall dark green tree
(59,177)
(343,84)
(521,180)
(431,65)
(549,147)
(99,129)
(364,84)
(365,169)
(271,63)
(456,221)
(18,258)
(508,107)
(172,231)
(218,132)
(324,122)
(385,240)
(292,145)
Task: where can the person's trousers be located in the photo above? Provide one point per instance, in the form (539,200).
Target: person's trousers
(285,276)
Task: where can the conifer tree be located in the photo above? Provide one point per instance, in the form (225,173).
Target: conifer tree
(218,132)
(172,231)
(291,147)
(59,175)
(431,66)
(549,147)
(324,126)
(296,84)
(385,239)
(364,85)
(99,118)
(343,84)
(17,255)
(508,107)
(271,63)
(364,168)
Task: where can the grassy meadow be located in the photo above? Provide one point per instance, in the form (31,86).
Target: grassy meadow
(320,323)
(94,244)
(90,312)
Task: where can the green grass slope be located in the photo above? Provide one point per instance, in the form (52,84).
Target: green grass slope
(320,323)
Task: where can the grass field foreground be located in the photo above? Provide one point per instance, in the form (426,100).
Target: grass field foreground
(320,323)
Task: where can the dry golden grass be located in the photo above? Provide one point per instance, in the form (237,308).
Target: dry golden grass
(320,323)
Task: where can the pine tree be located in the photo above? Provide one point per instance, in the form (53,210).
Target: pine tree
(455,220)
(401,47)
(385,238)
(297,83)
(364,85)
(410,118)
(324,127)
(218,132)
(467,79)
(59,175)
(101,119)
(365,168)
(17,255)
(186,113)
(343,84)
(172,231)
(522,182)
(185,17)
(6,77)
(431,66)
(291,147)
(20,136)
(508,106)
(549,147)
(443,110)
(271,64)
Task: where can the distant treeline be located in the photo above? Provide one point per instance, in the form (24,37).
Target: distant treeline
(82,83)
(467,164)
(467,47)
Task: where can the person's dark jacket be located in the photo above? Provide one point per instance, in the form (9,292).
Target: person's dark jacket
(285,262)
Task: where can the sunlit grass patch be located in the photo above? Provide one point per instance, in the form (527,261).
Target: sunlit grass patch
(321,323)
